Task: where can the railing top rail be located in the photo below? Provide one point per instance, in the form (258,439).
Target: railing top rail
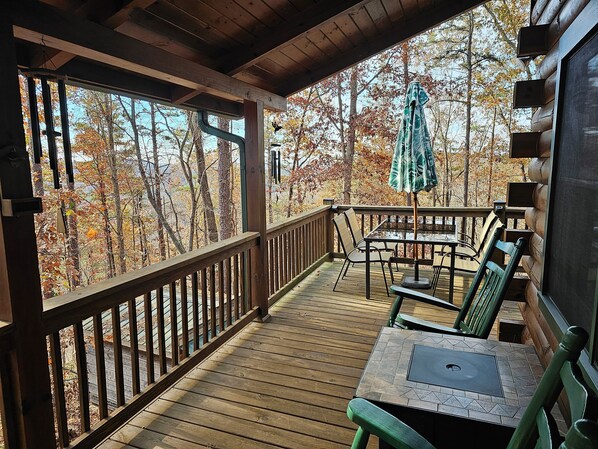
(62,311)
(281,226)
(437,211)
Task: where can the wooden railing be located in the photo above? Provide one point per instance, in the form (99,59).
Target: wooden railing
(143,330)
(295,246)
(115,346)
(468,221)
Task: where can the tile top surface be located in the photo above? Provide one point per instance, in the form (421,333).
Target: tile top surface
(384,378)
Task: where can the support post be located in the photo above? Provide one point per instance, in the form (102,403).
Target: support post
(330,228)
(256,202)
(20,289)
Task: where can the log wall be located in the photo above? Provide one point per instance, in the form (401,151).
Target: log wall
(559,15)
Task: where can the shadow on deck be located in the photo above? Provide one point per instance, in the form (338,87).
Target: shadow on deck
(285,383)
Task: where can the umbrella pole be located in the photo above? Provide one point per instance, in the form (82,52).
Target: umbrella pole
(416,282)
(415,245)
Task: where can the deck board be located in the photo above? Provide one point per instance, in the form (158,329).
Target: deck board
(285,383)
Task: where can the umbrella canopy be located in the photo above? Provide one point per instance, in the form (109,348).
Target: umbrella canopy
(412,168)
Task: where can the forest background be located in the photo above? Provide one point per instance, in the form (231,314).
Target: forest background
(150,185)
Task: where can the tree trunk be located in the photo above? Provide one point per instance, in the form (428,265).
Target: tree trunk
(491,161)
(469,67)
(349,149)
(157,181)
(224,193)
(108,110)
(210,217)
(110,264)
(74,273)
(148,187)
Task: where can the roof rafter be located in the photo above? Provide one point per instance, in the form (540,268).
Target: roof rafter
(107,14)
(49,27)
(402,30)
(318,14)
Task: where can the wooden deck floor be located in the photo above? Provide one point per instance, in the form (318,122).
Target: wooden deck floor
(281,384)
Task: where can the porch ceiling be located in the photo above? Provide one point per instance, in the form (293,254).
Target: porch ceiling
(213,53)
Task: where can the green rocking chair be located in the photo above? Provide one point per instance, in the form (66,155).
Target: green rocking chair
(482,302)
(537,427)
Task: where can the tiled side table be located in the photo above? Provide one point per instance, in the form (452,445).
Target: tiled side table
(449,417)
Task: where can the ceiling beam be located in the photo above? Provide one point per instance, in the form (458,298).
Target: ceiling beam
(103,12)
(400,31)
(321,13)
(49,27)
(106,79)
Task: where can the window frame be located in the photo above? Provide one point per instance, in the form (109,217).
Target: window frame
(581,30)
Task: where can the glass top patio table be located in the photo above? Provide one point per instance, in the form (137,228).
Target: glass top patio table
(402,232)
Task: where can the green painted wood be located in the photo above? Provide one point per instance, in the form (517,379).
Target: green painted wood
(483,300)
(537,427)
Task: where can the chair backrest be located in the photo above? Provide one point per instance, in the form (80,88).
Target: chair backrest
(485,241)
(344,235)
(490,224)
(354,226)
(489,287)
(537,428)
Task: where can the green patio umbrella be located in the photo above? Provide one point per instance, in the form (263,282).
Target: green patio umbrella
(412,168)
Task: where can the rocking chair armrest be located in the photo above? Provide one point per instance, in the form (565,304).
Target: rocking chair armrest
(414,323)
(373,420)
(419,296)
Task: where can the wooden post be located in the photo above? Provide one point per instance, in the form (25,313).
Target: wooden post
(20,289)
(329,228)
(256,202)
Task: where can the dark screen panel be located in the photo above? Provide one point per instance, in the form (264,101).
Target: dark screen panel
(573,231)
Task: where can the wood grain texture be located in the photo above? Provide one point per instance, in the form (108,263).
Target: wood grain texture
(284,383)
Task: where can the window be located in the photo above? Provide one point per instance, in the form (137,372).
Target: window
(569,284)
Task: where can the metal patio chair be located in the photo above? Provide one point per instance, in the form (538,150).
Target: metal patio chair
(354,255)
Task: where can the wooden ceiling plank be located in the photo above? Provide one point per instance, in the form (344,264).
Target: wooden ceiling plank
(378,15)
(44,25)
(336,36)
(249,54)
(190,24)
(112,18)
(244,18)
(400,31)
(214,19)
(364,22)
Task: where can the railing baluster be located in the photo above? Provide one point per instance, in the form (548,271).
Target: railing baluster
(204,306)
(134,338)
(213,301)
(119,382)
(221,307)
(236,287)
(271,266)
(98,337)
(227,278)
(149,338)
(184,317)
(174,333)
(161,330)
(246,284)
(82,379)
(195,309)
(59,397)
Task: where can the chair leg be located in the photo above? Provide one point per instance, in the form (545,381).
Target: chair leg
(347,269)
(384,274)
(437,280)
(392,277)
(339,274)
